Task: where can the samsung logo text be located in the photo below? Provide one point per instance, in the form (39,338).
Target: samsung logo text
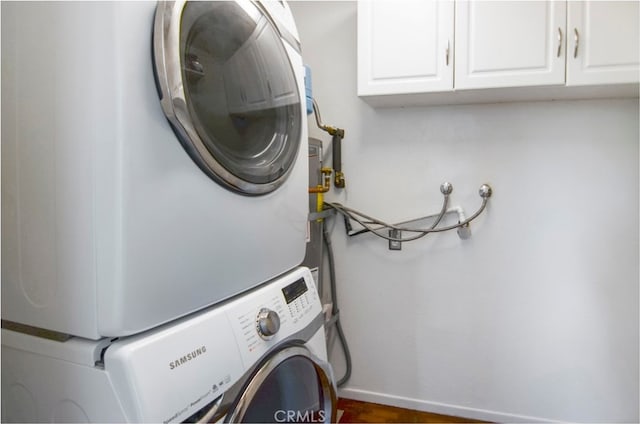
(186,358)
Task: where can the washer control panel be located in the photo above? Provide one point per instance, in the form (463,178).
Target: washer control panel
(298,298)
(274,312)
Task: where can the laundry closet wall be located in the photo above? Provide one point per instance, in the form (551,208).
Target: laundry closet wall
(533,318)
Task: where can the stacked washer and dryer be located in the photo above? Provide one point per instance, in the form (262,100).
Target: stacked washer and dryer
(154,214)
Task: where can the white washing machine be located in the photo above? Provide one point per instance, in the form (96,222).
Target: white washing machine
(154,159)
(259,358)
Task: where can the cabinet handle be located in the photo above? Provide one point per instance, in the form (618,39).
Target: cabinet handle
(447,52)
(559,41)
(576,38)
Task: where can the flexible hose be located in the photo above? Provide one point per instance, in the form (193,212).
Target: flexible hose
(353,214)
(335,311)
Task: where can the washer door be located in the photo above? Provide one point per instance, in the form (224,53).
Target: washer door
(291,386)
(229,90)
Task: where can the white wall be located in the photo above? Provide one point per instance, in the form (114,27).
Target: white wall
(533,318)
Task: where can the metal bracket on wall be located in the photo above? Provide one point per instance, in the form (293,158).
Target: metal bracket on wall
(321,215)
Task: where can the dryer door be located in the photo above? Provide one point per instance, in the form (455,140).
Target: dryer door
(290,386)
(229,90)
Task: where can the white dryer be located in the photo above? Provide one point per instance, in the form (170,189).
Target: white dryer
(258,358)
(154,159)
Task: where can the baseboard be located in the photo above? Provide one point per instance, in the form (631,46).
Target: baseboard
(438,408)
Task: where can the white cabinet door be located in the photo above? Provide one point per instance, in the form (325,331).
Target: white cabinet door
(603,44)
(509,43)
(405,46)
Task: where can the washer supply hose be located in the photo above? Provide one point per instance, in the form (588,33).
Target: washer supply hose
(368,222)
(335,311)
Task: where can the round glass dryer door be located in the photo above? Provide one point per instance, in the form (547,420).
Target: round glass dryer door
(229,90)
(291,386)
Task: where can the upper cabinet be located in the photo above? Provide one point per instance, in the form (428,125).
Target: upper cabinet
(603,42)
(458,47)
(405,46)
(509,44)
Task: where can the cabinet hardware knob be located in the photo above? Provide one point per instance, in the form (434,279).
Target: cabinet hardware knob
(576,38)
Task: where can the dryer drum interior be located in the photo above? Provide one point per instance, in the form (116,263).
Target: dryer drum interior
(229,90)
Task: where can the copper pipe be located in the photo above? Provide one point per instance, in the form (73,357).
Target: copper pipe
(326,173)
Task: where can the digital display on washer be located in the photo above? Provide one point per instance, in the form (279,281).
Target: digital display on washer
(294,290)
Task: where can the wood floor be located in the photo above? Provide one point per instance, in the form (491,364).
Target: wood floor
(353,411)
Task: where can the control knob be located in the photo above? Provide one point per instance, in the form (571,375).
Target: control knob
(267,323)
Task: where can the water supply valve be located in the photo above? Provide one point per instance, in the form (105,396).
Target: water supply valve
(337,134)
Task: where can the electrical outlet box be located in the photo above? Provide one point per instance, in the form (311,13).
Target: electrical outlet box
(393,244)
